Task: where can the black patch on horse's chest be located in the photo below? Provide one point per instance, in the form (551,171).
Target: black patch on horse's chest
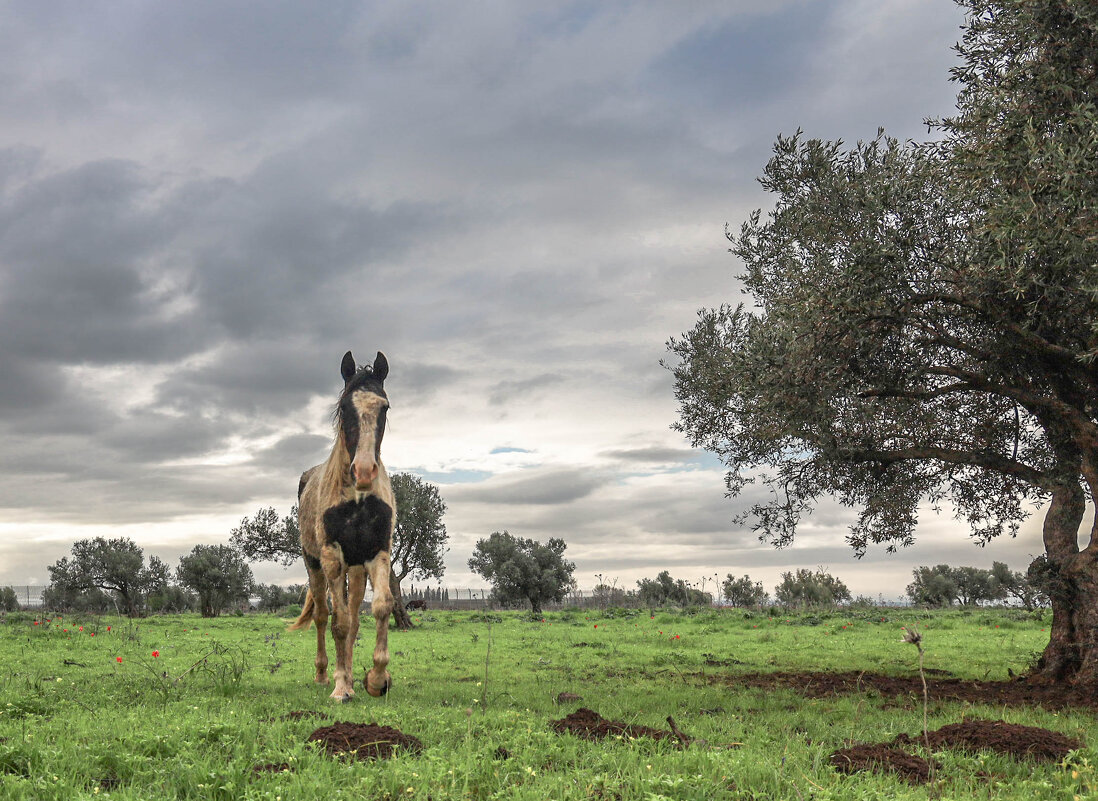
(360,527)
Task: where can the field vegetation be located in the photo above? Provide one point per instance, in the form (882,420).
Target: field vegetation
(179,706)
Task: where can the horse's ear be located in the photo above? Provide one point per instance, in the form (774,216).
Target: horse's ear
(347,368)
(381,366)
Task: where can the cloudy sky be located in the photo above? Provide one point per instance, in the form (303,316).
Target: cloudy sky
(203,205)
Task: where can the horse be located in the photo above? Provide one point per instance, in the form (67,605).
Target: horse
(346,515)
(419,603)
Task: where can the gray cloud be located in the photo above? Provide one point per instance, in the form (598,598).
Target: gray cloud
(202,208)
(546,487)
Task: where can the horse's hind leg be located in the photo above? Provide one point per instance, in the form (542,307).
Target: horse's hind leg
(378,681)
(318,586)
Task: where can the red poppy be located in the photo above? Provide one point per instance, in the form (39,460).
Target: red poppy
(596,625)
(118,659)
(36,622)
(93,634)
(156,654)
(108,628)
(81,628)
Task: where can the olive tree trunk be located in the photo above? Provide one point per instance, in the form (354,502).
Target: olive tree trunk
(401,618)
(1072,652)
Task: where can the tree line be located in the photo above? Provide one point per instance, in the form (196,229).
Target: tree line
(102,573)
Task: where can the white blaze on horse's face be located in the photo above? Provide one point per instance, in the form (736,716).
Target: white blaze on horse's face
(370,409)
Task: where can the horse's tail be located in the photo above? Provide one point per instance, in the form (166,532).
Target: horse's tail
(306,616)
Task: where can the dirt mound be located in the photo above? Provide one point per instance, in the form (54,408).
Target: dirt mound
(364,740)
(1020,742)
(883,758)
(590,725)
(997,693)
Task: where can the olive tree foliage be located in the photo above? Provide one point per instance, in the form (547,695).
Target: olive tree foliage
(664,590)
(219,576)
(419,542)
(522,569)
(112,566)
(743,592)
(922,319)
(9,601)
(268,537)
(810,588)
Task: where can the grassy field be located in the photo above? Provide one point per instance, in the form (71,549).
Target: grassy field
(96,708)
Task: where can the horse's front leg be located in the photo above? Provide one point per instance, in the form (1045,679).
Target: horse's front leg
(331,559)
(356,590)
(378,681)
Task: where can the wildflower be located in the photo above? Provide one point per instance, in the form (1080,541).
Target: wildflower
(156,654)
(118,659)
(36,622)
(596,625)
(108,628)
(93,634)
(81,628)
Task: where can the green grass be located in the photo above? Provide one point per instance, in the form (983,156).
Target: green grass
(77,723)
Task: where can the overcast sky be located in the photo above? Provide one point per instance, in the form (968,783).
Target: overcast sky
(203,205)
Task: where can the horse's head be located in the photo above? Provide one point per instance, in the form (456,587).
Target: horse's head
(361,414)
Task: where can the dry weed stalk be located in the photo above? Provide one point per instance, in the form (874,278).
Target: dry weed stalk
(914,637)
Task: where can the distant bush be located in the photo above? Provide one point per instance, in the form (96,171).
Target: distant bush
(8,601)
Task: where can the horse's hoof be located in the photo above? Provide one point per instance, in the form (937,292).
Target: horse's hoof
(377,692)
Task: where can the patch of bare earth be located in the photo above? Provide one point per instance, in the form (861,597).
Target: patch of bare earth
(997,693)
(590,725)
(883,758)
(1020,742)
(364,741)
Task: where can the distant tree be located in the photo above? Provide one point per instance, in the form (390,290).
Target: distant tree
(162,595)
(67,598)
(273,597)
(933,586)
(808,588)
(266,537)
(419,543)
(522,569)
(609,595)
(8,600)
(664,590)
(922,319)
(976,585)
(114,566)
(157,577)
(218,574)
(743,592)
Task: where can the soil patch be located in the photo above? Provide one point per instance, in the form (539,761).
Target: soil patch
(883,758)
(997,693)
(306,713)
(1020,742)
(364,741)
(590,725)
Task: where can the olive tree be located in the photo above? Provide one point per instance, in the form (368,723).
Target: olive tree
(419,542)
(115,566)
(218,574)
(923,319)
(521,569)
